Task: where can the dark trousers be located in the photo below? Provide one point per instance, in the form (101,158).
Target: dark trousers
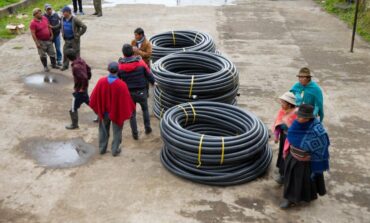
(104,127)
(141,97)
(98,7)
(78,99)
(75,5)
(70,44)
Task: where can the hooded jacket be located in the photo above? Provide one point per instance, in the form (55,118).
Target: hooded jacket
(134,71)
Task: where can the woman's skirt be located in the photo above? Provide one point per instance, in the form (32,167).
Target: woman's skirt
(280,160)
(298,184)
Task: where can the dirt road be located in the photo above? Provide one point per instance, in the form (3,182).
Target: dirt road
(268,41)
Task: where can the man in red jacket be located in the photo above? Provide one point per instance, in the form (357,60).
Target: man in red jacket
(81,76)
(112,102)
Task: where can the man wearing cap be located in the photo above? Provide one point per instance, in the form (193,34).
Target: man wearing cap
(72,30)
(134,71)
(307,91)
(54,21)
(81,75)
(111,101)
(43,36)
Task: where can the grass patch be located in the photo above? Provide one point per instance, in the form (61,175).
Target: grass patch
(7,2)
(27,12)
(347,15)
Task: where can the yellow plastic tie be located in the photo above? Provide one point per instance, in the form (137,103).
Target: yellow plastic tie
(195,38)
(222,150)
(200,151)
(186,114)
(173,38)
(161,115)
(194,114)
(191,86)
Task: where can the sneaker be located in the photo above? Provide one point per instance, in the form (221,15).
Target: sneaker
(95,13)
(81,13)
(64,68)
(55,66)
(286,204)
(59,63)
(279,179)
(148,130)
(117,152)
(46,69)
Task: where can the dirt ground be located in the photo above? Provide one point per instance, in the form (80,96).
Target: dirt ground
(267,40)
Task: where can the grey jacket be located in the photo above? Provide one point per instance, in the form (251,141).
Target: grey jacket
(79,28)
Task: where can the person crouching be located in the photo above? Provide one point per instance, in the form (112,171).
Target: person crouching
(112,102)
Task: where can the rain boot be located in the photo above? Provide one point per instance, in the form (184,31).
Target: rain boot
(54,63)
(44,62)
(74,119)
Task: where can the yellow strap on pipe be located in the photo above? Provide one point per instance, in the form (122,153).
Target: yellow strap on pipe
(222,150)
(186,114)
(161,114)
(173,38)
(194,114)
(191,86)
(200,151)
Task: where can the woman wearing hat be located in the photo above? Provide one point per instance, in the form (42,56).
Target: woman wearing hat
(283,121)
(306,158)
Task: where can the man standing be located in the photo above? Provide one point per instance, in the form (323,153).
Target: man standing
(72,30)
(134,71)
(307,91)
(42,35)
(141,46)
(75,8)
(54,21)
(112,102)
(81,76)
(98,9)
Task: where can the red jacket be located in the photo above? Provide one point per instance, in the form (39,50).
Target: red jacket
(113,99)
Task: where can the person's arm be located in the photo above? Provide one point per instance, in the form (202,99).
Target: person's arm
(33,32)
(147,53)
(51,32)
(82,27)
(59,23)
(148,74)
(297,93)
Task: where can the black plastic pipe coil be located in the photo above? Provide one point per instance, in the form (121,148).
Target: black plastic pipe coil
(214,143)
(193,76)
(179,41)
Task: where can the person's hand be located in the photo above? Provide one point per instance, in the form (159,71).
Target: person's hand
(38,45)
(276,141)
(155,84)
(135,49)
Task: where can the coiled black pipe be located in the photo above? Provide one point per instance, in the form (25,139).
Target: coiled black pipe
(192,76)
(214,143)
(181,40)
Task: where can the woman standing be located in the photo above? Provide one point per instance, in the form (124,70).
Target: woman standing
(283,121)
(307,157)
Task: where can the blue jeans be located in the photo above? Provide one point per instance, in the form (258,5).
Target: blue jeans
(57,48)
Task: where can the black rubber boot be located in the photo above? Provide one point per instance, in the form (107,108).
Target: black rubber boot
(53,63)
(44,62)
(74,119)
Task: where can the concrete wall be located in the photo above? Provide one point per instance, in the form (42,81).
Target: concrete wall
(11,9)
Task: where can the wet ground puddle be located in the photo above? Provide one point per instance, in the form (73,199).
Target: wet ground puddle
(59,154)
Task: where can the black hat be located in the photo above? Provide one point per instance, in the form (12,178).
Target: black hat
(113,67)
(305,111)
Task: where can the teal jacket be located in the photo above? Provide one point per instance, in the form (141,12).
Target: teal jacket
(310,94)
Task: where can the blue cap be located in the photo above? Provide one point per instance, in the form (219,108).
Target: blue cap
(66,9)
(113,67)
